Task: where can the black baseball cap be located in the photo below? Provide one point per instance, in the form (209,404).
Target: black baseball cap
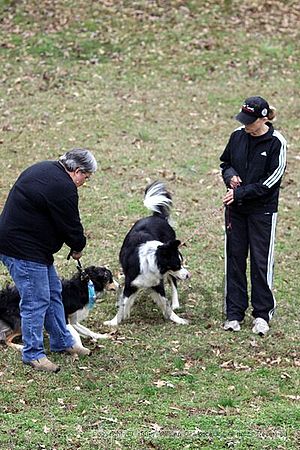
(252,109)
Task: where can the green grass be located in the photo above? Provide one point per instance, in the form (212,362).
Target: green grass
(152,88)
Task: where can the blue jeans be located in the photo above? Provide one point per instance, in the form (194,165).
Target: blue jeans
(41,304)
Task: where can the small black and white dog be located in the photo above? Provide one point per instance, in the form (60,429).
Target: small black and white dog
(76,301)
(149,256)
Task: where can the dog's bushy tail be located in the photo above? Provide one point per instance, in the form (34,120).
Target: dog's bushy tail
(158,199)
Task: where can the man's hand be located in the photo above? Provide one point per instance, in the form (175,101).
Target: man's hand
(229,197)
(235,181)
(76,255)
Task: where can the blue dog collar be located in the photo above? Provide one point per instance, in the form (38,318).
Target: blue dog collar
(92,294)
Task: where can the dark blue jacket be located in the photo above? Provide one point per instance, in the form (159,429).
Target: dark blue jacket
(41,214)
(260,163)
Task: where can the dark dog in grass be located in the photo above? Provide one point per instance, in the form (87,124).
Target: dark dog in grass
(150,256)
(77,301)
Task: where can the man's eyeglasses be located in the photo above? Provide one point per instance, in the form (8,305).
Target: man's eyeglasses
(87,176)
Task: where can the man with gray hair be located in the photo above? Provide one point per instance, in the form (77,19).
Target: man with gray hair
(39,216)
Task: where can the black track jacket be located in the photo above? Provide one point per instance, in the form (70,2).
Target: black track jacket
(260,163)
(41,214)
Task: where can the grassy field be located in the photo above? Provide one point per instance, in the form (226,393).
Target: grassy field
(152,87)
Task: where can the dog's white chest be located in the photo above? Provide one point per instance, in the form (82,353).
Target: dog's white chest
(147,280)
(149,273)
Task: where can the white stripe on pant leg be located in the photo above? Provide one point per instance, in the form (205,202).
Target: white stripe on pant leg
(270,267)
(225,269)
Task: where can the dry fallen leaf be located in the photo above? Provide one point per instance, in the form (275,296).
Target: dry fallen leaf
(161,383)
(155,427)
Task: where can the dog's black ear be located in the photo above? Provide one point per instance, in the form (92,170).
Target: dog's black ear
(108,272)
(170,245)
(174,244)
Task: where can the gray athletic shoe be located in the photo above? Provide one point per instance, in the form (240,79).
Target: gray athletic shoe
(231,325)
(260,326)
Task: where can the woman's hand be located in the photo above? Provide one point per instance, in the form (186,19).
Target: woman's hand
(229,197)
(235,181)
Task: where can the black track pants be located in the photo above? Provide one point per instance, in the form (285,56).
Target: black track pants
(254,233)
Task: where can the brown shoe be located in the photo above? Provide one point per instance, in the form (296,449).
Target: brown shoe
(78,350)
(43,364)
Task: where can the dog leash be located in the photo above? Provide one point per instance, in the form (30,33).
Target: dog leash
(90,285)
(228,218)
(200,229)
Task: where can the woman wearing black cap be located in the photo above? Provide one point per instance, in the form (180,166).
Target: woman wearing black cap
(253,164)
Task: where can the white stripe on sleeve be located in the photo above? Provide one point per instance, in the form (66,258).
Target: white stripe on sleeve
(277,174)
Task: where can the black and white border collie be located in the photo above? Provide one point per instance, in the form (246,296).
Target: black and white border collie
(150,256)
(76,300)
